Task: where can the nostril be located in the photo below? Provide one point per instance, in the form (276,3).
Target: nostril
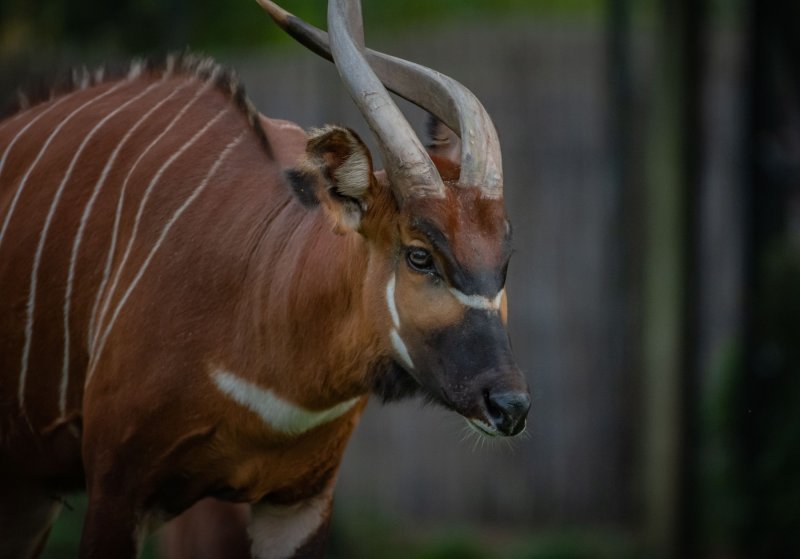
(508,410)
(493,406)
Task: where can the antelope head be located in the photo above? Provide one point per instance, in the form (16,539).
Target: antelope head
(434,217)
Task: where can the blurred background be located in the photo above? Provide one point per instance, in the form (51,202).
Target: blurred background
(652,161)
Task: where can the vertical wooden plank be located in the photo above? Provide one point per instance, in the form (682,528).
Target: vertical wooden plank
(670,283)
(625,227)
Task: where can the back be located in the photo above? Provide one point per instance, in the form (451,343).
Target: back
(99,187)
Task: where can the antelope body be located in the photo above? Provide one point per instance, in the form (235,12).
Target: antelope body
(196,300)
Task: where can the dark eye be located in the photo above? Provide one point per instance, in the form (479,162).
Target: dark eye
(420,260)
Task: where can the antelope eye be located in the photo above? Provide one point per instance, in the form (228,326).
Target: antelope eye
(420,260)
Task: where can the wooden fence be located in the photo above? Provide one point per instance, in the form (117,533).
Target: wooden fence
(574,279)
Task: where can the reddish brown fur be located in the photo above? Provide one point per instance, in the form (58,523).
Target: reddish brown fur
(193,309)
(476,226)
(248,280)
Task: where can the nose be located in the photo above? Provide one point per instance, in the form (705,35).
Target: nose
(508,410)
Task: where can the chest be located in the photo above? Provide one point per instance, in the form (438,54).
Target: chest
(248,461)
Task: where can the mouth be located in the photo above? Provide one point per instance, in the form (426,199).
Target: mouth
(497,415)
(482,428)
(508,421)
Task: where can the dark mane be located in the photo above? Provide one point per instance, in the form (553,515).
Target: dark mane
(187,64)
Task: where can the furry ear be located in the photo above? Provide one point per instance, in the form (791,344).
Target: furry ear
(443,142)
(336,173)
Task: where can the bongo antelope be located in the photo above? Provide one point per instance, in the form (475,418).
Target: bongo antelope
(197,300)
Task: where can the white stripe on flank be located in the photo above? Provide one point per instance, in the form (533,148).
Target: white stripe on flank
(100,183)
(479,302)
(120,202)
(95,357)
(391,302)
(21,186)
(280,415)
(96,320)
(20,112)
(31,306)
(62,392)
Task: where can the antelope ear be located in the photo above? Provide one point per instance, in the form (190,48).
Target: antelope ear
(336,173)
(443,142)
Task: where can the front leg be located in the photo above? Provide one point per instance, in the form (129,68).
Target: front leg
(118,517)
(110,529)
(294,531)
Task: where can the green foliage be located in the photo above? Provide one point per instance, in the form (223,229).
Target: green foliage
(366,534)
(722,498)
(575,545)
(145,26)
(370,535)
(454,546)
(65,536)
(751,454)
(773,421)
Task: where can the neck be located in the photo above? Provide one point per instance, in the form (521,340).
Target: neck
(306,299)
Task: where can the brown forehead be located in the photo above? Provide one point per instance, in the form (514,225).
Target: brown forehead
(475,228)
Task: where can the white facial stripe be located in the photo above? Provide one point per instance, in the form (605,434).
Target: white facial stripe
(280,415)
(478,301)
(397,342)
(473,301)
(498,299)
(401,349)
(390,301)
